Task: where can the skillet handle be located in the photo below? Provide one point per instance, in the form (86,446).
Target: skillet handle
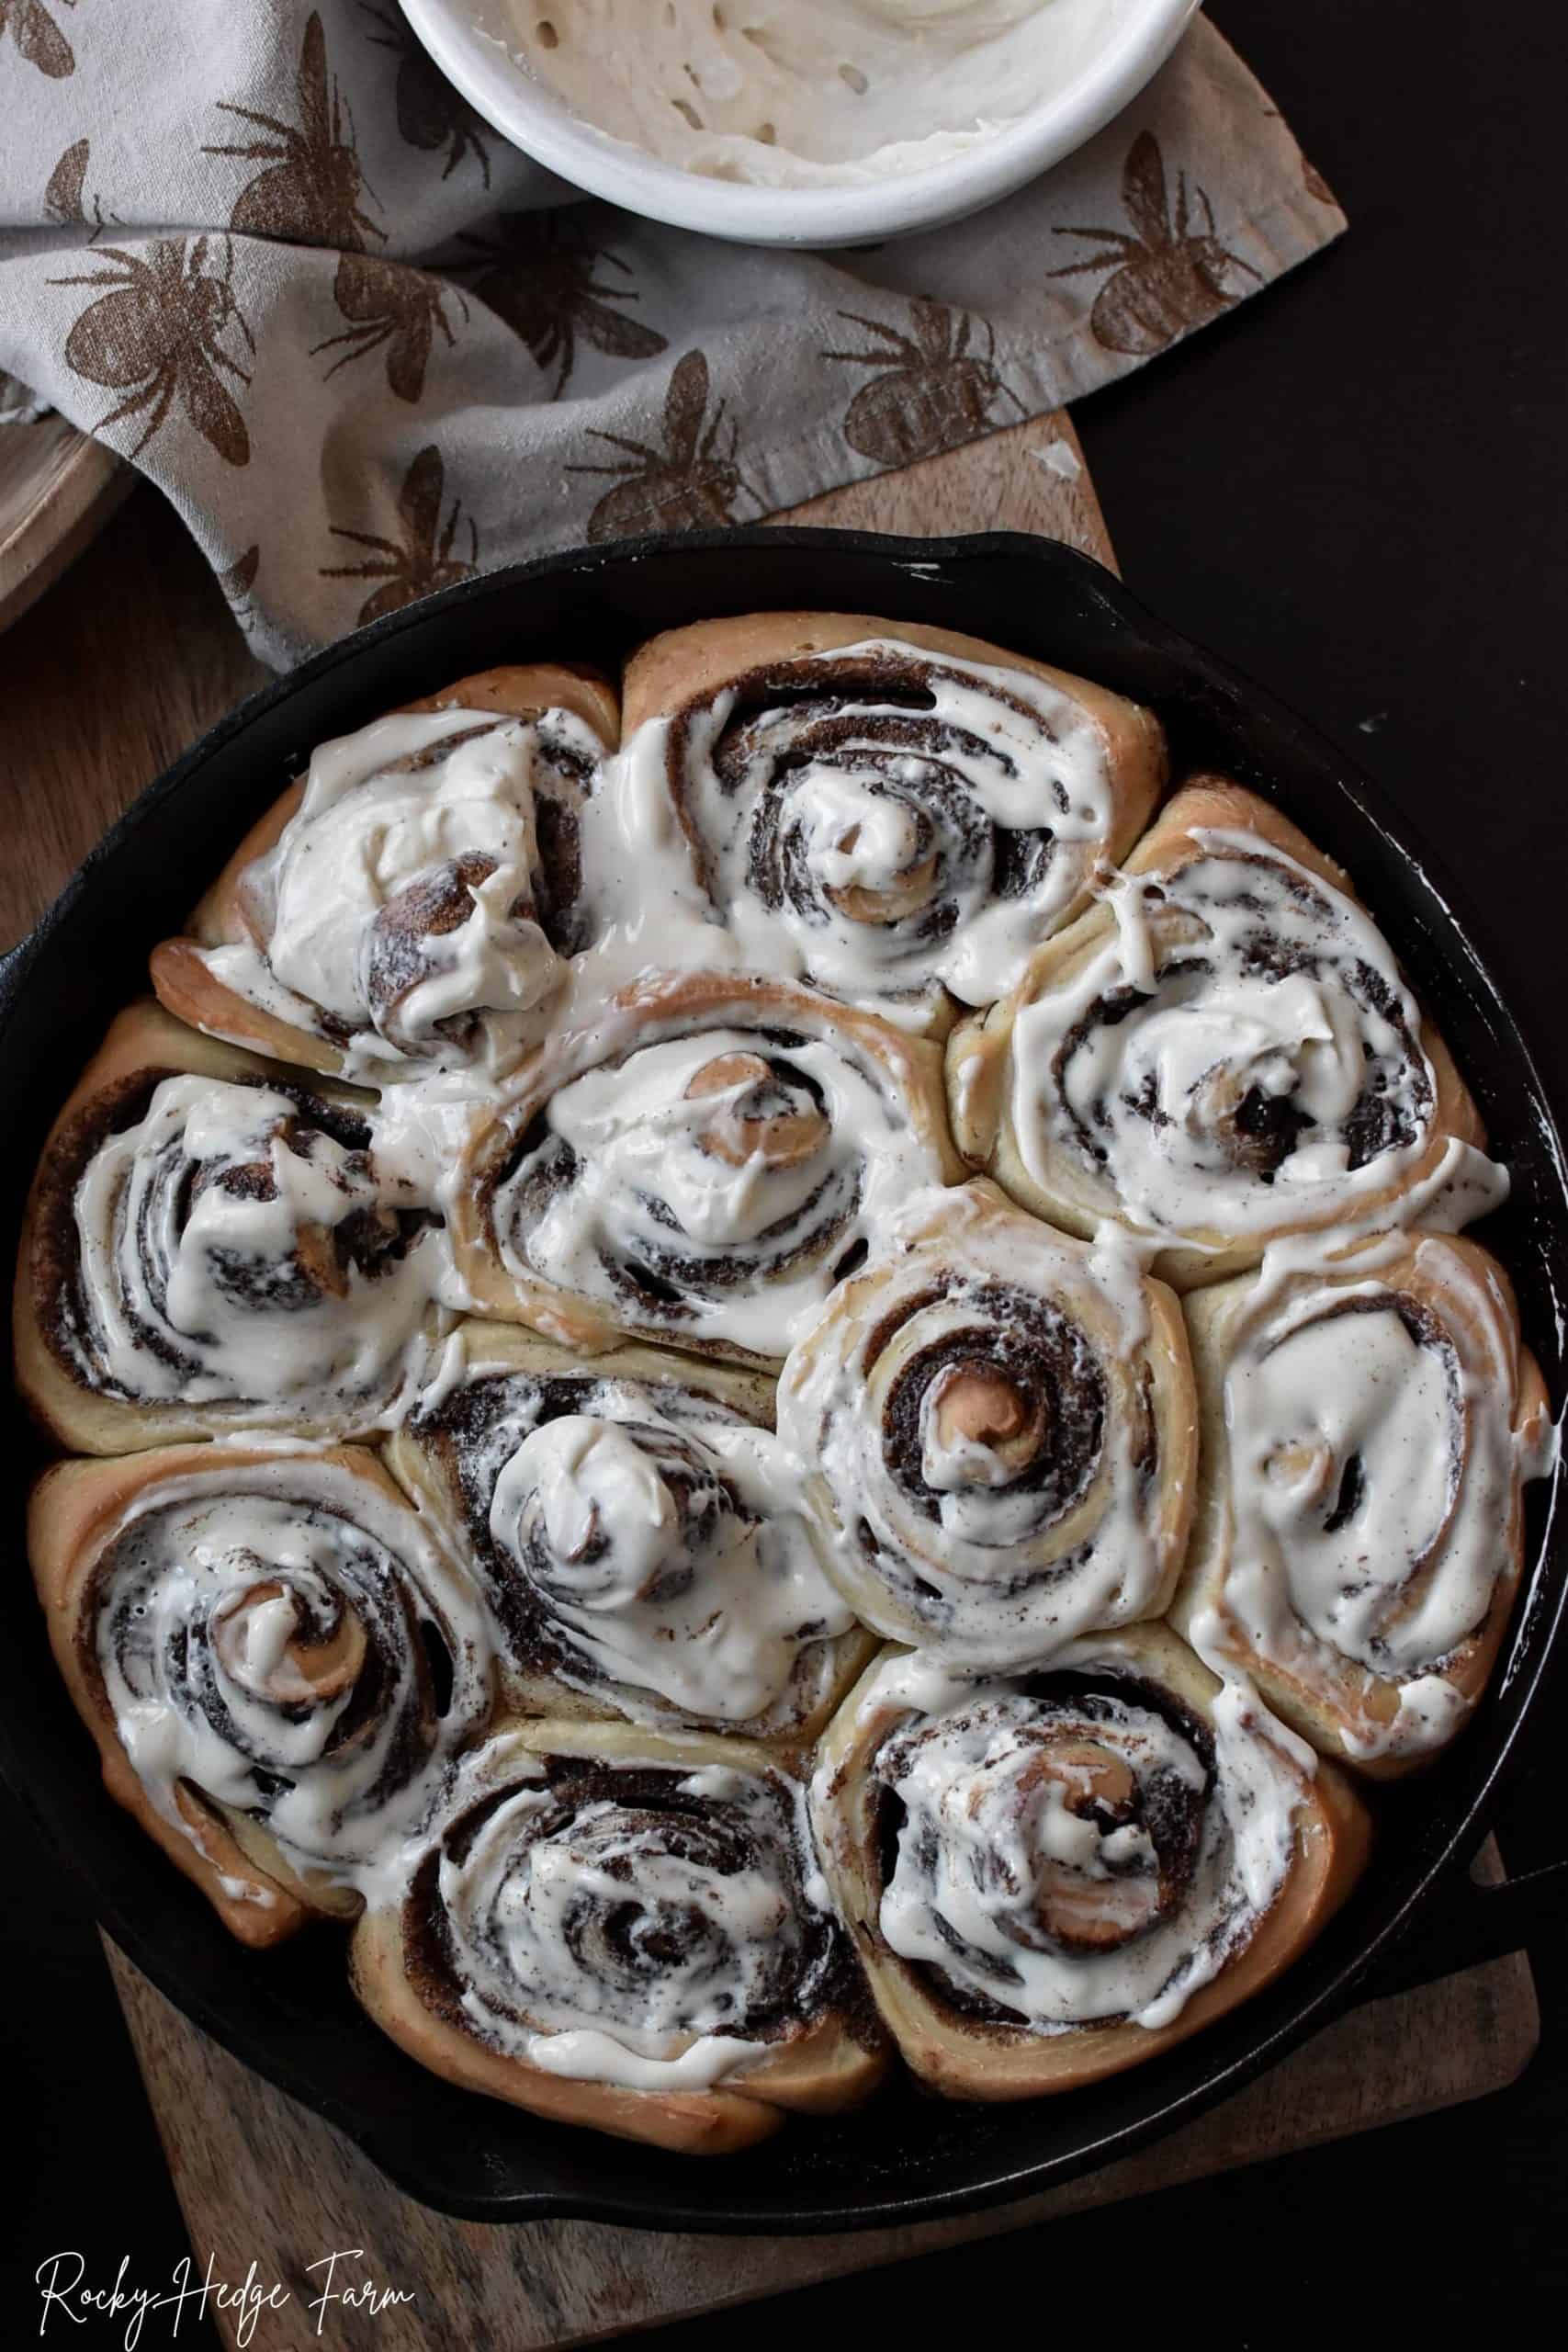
(1464,1924)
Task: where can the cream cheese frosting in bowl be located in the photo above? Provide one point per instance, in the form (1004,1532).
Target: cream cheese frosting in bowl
(803,123)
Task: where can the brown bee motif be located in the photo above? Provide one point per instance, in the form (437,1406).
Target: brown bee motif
(931,391)
(38,36)
(1168,278)
(430,115)
(387,302)
(236,581)
(157,332)
(1312,180)
(539,276)
(311,191)
(691,481)
(1315,185)
(423,558)
(65,200)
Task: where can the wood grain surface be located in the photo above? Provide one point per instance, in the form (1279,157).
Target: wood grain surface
(126,662)
(57,490)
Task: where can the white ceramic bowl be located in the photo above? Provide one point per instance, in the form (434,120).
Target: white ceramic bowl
(469,41)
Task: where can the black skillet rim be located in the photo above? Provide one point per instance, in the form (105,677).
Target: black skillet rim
(1174,2089)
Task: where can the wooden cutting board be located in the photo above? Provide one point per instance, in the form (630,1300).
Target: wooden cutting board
(261,2181)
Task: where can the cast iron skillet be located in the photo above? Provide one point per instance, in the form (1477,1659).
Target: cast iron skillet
(906,2158)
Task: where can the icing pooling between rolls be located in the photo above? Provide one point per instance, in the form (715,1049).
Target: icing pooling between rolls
(710,1184)
(1241,1055)
(232,1247)
(1373,1471)
(405,911)
(258,1630)
(880,819)
(807,92)
(1069,1855)
(650,1925)
(658,1539)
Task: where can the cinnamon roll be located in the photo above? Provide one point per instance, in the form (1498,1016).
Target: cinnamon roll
(897,814)
(638,1530)
(699,1163)
(407,907)
(1004,1430)
(626,1930)
(211,1244)
(274,1654)
(1053,1877)
(1222,1051)
(1367,1425)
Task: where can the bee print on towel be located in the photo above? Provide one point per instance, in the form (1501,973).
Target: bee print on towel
(37,37)
(311,191)
(156,330)
(424,557)
(387,304)
(690,483)
(543,277)
(931,391)
(430,115)
(65,194)
(1172,275)
(237,581)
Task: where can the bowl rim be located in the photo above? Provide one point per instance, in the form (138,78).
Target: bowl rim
(532,119)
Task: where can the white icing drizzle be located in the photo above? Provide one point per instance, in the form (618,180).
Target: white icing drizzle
(660,1538)
(650,1938)
(882,851)
(805,92)
(1270,1074)
(258,1628)
(1029,1870)
(1375,1470)
(1033,1512)
(231,1248)
(734,1169)
(400,911)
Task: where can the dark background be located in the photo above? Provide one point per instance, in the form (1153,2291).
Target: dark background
(1355,486)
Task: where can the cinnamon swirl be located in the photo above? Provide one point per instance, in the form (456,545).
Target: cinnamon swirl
(274,1654)
(1004,1432)
(1053,1877)
(625,1930)
(897,814)
(1221,1052)
(699,1163)
(211,1244)
(1367,1425)
(637,1526)
(408,905)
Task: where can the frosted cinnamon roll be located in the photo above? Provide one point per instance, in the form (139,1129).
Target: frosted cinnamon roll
(1004,1432)
(638,1530)
(1367,1426)
(700,1163)
(1055,1877)
(897,814)
(407,906)
(1222,1051)
(274,1656)
(627,1931)
(211,1244)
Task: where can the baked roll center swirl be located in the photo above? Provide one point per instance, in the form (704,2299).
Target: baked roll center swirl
(600,1915)
(235,1242)
(639,1535)
(284,1643)
(1004,1432)
(898,819)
